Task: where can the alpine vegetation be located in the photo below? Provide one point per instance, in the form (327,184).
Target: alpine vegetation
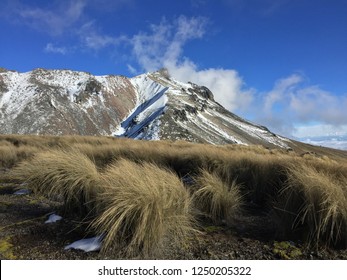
(217,199)
(143,196)
(313,204)
(142,206)
(68,175)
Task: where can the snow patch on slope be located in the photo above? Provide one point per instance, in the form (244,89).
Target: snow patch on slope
(87,244)
(19,93)
(255,131)
(142,122)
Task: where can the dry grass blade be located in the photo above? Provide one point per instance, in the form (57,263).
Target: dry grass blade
(143,205)
(67,174)
(8,156)
(315,202)
(217,199)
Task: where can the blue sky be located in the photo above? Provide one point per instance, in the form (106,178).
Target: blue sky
(280,63)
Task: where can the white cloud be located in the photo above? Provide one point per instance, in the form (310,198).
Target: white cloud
(319,130)
(163,47)
(51,48)
(313,103)
(132,69)
(226,84)
(293,106)
(282,88)
(54,21)
(164,43)
(333,142)
(91,38)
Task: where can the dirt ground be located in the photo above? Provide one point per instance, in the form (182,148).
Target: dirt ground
(24,235)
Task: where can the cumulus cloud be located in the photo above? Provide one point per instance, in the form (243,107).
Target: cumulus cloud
(294,106)
(282,87)
(163,46)
(314,103)
(226,84)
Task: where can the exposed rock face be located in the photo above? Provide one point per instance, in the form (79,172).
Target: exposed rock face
(63,102)
(3,87)
(149,106)
(202,91)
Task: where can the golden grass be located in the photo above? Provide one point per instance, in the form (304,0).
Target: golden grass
(218,200)
(313,204)
(143,205)
(118,179)
(8,156)
(67,174)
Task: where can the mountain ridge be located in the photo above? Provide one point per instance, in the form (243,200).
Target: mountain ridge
(62,102)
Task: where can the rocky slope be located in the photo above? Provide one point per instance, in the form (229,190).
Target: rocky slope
(149,106)
(63,102)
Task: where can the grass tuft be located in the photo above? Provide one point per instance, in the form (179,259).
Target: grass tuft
(313,205)
(218,200)
(70,175)
(142,207)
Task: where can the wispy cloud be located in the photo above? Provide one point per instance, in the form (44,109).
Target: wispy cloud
(51,48)
(54,20)
(165,41)
(92,38)
(132,69)
(163,46)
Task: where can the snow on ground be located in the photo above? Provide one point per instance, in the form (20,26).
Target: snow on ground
(19,93)
(73,81)
(53,218)
(255,131)
(22,192)
(160,103)
(145,87)
(142,121)
(219,131)
(87,245)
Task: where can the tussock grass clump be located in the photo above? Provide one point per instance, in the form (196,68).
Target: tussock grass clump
(259,176)
(8,156)
(69,174)
(313,204)
(142,207)
(219,200)
(138,204)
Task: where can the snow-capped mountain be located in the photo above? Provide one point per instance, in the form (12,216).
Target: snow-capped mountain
(149,106)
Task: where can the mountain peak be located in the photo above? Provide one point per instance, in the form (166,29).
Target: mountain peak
(148,106)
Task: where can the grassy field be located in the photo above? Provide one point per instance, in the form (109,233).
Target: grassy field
(143,195)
